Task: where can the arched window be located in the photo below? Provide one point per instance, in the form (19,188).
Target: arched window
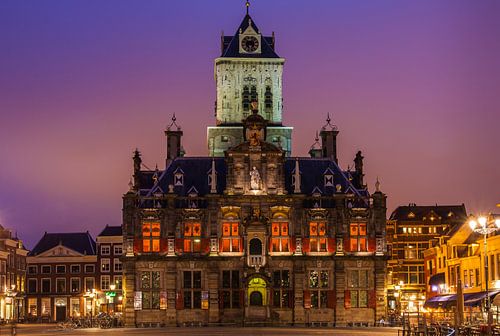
(268,102)
(245,98)
(255,246)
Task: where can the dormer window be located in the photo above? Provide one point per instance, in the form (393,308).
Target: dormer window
(411,215)
(178,178)
(328,180)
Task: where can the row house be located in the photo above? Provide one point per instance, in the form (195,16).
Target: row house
(109,251)
(410,231)
(459,259)
(12,276)
(62,269)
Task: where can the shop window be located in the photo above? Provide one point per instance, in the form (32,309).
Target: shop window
(150,286)
(230,289)
(32,307)
(358,237)
(151,237)
(281,289)
(317,235)
(230,237)
(192,237)
(192,289)
(75,307)
(279,237)
(45,307)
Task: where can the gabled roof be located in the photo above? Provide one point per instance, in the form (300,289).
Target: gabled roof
(231,47)
(458,212)
(81,242)
(110,231)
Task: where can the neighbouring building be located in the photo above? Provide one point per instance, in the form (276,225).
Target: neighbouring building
(12,276)
(62,267)
(250,234)
(410,230)
(109,252)
(459,256)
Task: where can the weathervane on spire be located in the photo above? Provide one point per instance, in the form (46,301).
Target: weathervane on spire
(247,5)
(173,123)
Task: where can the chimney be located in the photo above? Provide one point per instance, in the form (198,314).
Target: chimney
(137,168)
(329,140)
(174,147)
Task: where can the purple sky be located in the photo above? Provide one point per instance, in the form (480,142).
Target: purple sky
(415,85)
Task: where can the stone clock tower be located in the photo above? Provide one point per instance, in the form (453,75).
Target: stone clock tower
(248,72)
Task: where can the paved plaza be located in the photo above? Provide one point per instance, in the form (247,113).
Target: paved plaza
(52,329)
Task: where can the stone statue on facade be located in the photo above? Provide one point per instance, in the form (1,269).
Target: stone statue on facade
(254,179)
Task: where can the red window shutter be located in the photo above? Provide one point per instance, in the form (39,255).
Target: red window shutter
(221,300)
(347,246)
(205,245)
(179,245)
(372,299)
(305,245)
(179,302)
(163,245)
(291,299)
(292,244)
(331,244)
(371,244)
(331,299)
(307,299)
(270,244)
(347,299)
(242,247)
(137,245)
(242,298)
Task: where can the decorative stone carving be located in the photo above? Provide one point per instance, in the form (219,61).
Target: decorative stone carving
(255,179)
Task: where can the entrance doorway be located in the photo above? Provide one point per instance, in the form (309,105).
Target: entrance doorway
(256,299)
(60,313)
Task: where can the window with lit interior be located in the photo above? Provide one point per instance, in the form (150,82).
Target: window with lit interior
(192,237)
(151,237)
(317,236)
(230,237)
(358,237)
(279,237)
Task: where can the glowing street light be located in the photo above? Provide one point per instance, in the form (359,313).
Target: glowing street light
(485,225)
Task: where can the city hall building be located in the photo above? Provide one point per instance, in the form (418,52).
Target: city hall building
(251,234)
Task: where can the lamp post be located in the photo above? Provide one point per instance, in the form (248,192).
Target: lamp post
(485,225)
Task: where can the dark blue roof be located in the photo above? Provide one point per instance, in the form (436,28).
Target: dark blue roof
(81,242)
(457,212)
(231,47)
(111,231)
(196,170)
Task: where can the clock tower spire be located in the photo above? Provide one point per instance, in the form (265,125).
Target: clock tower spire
(248,71)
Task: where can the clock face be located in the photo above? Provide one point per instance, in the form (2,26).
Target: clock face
(250,43)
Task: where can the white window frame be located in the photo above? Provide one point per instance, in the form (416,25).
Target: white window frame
(109,281)
(105,261)
(106,246)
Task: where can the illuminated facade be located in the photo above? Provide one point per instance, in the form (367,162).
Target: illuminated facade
(254,236)
(410,231)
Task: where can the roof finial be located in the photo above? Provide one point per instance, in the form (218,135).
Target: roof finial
(173,123)
(247,5)
(329,126)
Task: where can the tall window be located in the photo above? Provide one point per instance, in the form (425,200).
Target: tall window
(231,289)
(317,234)
(281,289)
(319,284)
(192,237)
(279,239)
(75,285)
(192,289)
(358,241)
(150,286)
(45,285)
(245,98)
(230,237)
(60,285)
(268,102)
(151,237)
(89,284)
(105,265)
(358,286)
(105,281)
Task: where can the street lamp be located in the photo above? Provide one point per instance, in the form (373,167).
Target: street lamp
(485,225)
